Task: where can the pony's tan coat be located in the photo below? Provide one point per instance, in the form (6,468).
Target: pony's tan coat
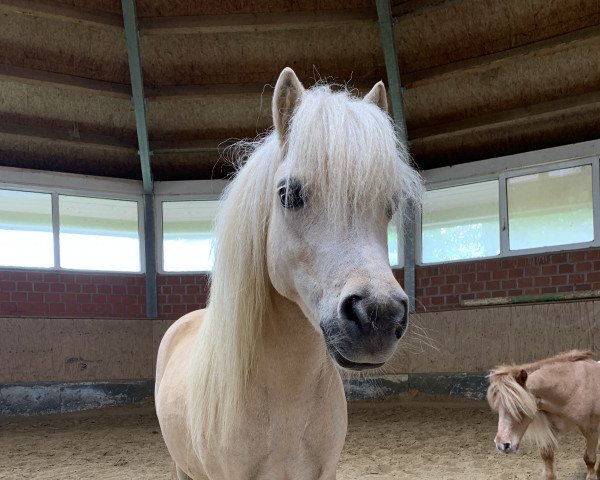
(565,390)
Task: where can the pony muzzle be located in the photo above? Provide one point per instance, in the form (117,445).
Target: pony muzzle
(365,332)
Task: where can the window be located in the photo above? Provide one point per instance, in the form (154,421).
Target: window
(188,235)
(26,238)
(99,234)
(461,222)
(550,208)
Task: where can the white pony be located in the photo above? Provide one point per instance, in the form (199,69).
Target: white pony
(248,388)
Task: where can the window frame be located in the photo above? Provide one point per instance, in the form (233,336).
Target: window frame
(56,184)
(181,191)
(504,168)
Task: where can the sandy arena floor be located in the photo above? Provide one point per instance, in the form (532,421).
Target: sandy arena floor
(386,440)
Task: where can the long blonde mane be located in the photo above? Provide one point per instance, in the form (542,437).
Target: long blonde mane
(345,150)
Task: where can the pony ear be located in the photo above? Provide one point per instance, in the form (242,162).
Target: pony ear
(377,96)
(521,377)
(288,91)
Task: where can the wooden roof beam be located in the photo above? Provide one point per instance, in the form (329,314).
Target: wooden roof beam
(31,76)
(483,122)
(428,75)
(56,10)
(70,137)
(253,22)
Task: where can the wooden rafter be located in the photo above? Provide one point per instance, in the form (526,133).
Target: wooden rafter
(71,82)
(483,122)
(253,22)
(69,137)
(434,74)
(52,9)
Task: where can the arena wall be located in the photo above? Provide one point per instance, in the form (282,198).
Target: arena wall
(63,329)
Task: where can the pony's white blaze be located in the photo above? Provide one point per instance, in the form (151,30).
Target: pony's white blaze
(301,277)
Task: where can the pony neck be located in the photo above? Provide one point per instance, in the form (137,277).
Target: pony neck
(291,345)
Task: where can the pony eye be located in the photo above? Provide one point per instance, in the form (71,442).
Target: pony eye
(291,194)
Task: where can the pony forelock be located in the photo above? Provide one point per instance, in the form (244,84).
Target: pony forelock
(347,152)
(339,143)
(504,391)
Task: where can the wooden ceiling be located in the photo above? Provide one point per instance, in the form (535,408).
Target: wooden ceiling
(482,78)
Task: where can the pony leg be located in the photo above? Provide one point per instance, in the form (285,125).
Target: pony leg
(548,458)
(589,457)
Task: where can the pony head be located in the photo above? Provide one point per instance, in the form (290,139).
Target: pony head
(516,407)
(340,176)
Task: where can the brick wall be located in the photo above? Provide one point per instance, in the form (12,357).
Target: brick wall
(438,287)
(61,294)
(444,287)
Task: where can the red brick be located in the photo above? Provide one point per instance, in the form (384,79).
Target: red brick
(477,286)
(192,298)
(35,276)
(444,290)
(8,307)
(429,291)
(134,310)
(583,266)
(52,297)
(577,256)
(530,291)
(104,289)
(134,290)
(72,309)
(69,298)
(515,272)
(84,298)
(510,283)
(559,280)
(87,308)
(437,280)
(57,287)
(500,274)
(119,289)
(18,296)
(56,309)
(88,288)
(99,298)
(104,309)
(18,276)
(452,300)
(565,268)
(67,278)
(565,288)
(437,300)
(173,280)
(593,277)
(51,277)
(179,289)
(8,286)
(129,299)
(35,297)
(24,286)
(515,293)
(524,282)
(577,278)
(4,296)
(549,290)
(493,285)
(531,271)
(73,287)
(41,287)
(483,276)
(461,288)
(468,277)
(549,269)
(541,281)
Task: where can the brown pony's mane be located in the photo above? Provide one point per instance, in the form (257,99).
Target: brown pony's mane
(507,389)
(570,356)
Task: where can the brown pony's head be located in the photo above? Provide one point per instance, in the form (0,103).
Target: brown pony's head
(516,407)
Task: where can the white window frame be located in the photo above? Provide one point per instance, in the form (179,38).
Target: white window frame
(181,191)
(503,168)
(56,184)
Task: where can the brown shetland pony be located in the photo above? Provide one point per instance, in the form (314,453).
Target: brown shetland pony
(545,397)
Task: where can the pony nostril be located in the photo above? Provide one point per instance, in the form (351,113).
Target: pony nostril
(354,310)
(505,446)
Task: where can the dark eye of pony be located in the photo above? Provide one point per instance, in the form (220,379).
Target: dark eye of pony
(292,193)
